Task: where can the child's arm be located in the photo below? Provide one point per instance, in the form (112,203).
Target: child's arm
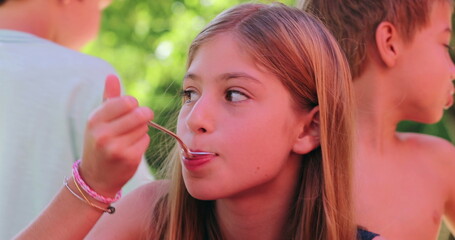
(115,139)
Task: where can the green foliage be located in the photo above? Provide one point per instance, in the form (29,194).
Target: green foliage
(437,129)
(147,41)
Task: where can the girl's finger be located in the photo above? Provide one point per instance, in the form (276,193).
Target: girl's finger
(139,147)
(114,108)
(136,118)
(111,87)
(133,136)
(118,148)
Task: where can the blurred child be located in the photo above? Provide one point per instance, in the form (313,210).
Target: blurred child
(47,92)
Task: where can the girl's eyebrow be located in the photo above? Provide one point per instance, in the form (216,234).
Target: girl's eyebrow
(225,77)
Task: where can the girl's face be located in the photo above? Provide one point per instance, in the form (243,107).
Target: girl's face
(243,114)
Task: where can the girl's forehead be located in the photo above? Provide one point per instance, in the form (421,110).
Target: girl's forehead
(221,49)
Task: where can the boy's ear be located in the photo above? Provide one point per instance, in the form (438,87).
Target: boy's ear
(309,136)
(387,43)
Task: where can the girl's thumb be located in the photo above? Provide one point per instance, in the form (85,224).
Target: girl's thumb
(111,87)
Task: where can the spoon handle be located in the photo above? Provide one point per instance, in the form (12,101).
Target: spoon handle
(185,149)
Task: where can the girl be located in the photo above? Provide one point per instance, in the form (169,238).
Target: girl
(267,93)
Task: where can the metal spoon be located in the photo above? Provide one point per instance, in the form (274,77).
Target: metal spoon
(186,151)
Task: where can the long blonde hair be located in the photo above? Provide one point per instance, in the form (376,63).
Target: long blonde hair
(302,54)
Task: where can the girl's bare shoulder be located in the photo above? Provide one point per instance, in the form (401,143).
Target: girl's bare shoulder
(151,191)
(133,213)
(143,199)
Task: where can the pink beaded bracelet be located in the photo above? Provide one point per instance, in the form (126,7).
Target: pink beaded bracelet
(88,190)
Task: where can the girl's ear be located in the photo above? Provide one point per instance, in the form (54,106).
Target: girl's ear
(387,42)
(309,137)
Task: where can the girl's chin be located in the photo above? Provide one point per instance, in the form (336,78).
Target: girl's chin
(200,191)
(203,196)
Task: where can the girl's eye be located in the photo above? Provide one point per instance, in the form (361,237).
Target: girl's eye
(189,96)
(235,96)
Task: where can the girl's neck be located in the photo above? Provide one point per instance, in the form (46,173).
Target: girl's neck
(260,213)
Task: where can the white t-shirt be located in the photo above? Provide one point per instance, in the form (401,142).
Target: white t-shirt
(47,93)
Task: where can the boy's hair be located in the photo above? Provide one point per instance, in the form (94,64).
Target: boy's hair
(354,22)
(2,1)
(299,51)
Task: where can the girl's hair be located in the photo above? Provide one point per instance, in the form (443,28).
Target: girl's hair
(297,49)
(353,22)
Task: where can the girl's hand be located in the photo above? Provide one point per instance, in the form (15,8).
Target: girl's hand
(115,140)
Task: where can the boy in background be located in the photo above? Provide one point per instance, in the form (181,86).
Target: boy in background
(402,70)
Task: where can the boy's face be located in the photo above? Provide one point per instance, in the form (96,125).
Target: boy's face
(244,115)
(426,68)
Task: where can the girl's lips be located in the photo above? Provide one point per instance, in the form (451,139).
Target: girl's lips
(197,161)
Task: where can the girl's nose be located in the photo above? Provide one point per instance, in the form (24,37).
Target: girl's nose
(200,119)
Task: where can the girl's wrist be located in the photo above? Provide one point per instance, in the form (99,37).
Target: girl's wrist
(97,183)
(103,197)
(76,191)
